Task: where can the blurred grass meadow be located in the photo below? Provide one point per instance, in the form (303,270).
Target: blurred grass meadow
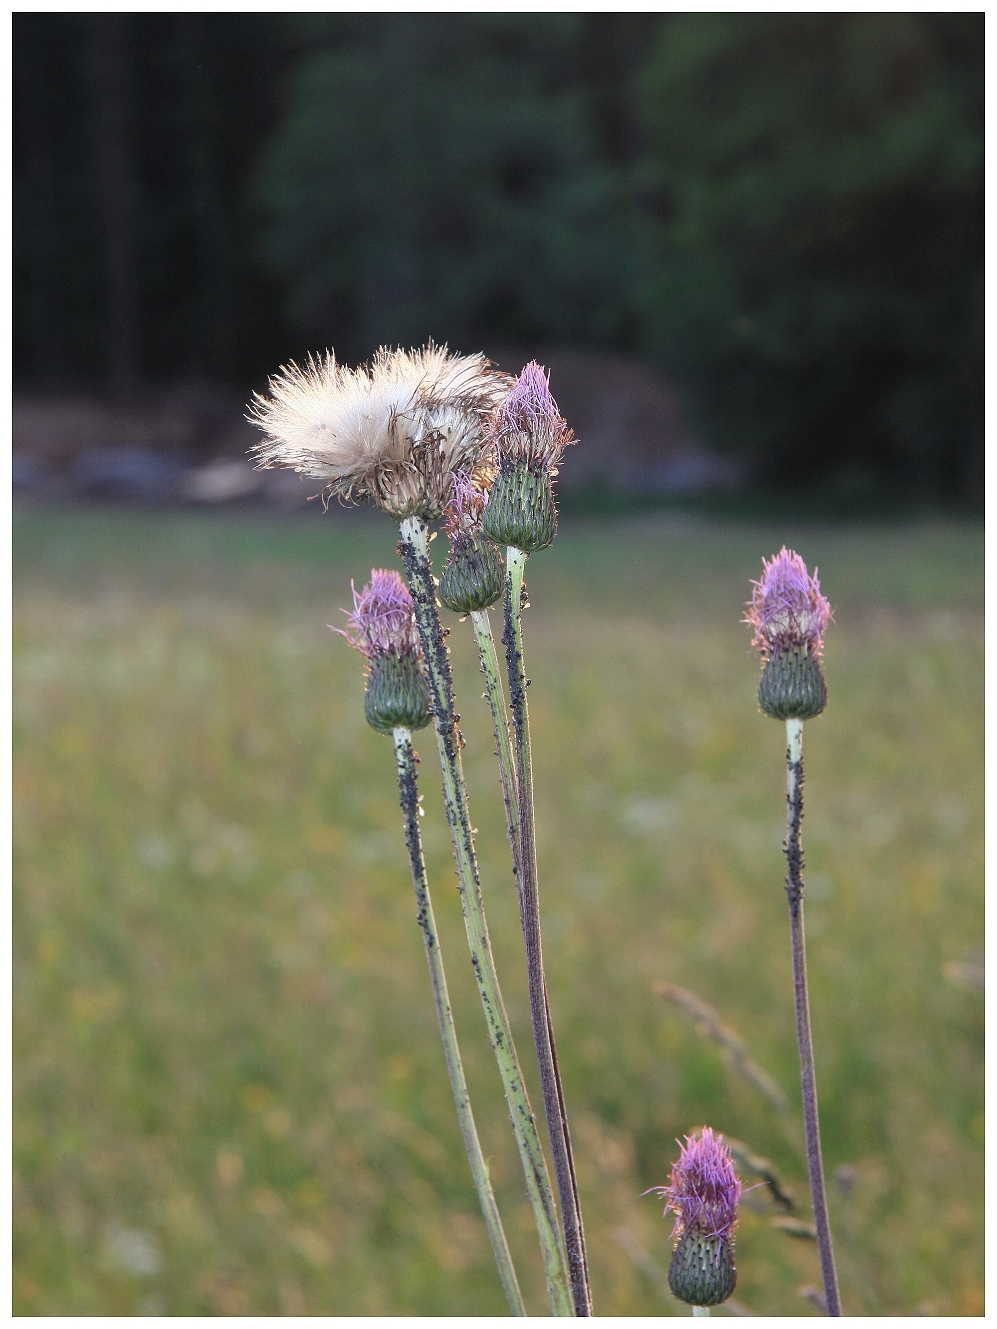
(230,1096)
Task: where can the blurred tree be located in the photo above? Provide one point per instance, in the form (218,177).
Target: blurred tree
(136,247)
(439,175)
(110,77)
(784,211)
(817,263)
(57,252)
(212,93)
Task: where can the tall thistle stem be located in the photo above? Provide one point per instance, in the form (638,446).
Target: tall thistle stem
(408,789)
(794,890)
(500,724)
(529,905)
(414,548)
(510,794)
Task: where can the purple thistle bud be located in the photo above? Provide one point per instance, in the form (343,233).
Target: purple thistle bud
(787,609)
(382,621)
(528,426)
(474,577)
(527,437)
(382,626)
(703,1192)
(463,512)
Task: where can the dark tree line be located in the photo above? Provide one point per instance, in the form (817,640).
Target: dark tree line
(138,252)
(784,211)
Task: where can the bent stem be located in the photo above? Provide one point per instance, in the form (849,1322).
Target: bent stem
(794,890)
(529,908)
(414,548)
(409,794)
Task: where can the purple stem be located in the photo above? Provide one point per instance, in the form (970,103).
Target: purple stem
(529,908)
(808,1077)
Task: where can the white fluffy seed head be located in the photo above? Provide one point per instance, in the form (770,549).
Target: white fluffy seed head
(394,431)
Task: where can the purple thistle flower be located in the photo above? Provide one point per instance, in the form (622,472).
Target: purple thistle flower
(474,577)
(382,621)
(528,426)
(786,608)
(463,512)
(703,1190)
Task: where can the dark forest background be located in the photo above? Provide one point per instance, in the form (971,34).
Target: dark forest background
(783,213)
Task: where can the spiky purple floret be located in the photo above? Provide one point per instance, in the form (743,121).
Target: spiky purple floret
(786,607)
(463,513)
(528,426)
(703,1190)
(530,403)
(382,621)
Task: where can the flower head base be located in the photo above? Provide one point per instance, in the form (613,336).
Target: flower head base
(528,437)
(474,577)
(382,626)
(393,431)
(789,616)
(703,1191)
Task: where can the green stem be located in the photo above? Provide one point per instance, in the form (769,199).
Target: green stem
(529,908)
(804,1037)
(409,794)
(500,724)
(700,1310)
(414,548)
(510,794)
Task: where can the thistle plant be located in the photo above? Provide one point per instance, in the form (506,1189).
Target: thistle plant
(396,701)
(528,437)
(396,432)
(703,1192)
(789,616)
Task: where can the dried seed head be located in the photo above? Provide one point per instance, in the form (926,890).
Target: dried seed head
(393,431)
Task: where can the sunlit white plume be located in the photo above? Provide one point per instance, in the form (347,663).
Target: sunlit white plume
(394,431)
